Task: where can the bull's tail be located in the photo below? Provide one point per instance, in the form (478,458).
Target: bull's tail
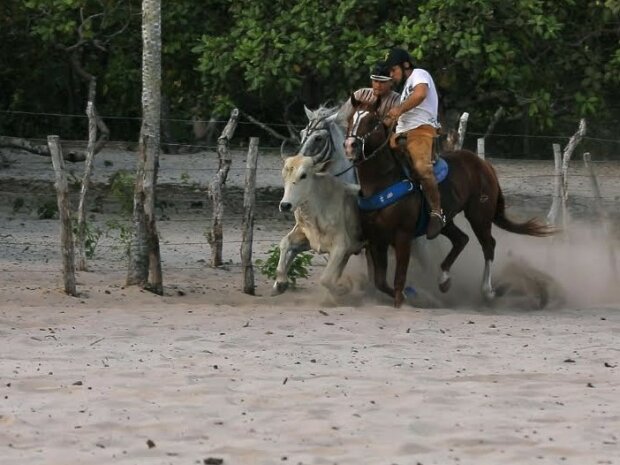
(531,227)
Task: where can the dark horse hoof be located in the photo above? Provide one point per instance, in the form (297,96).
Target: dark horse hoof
(399,298)
(279,288)
(445,286)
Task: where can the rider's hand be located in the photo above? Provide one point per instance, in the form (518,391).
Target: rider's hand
(392,116)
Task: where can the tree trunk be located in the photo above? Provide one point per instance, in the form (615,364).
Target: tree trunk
(144,259)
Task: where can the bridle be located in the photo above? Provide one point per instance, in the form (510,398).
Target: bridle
(312,127)
(352,134)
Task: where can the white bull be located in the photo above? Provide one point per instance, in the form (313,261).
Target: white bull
(327,220)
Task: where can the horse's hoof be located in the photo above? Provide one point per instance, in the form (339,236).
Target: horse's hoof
(279,288)
(489,295)
(399,298)
(444,286)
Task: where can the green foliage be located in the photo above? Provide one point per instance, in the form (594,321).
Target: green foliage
(298,269)
(122,232)
(92,235)
(546,62)
(47,210)
(122,188)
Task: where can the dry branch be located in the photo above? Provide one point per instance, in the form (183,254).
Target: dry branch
(271,131)
(496,117)
(43,150)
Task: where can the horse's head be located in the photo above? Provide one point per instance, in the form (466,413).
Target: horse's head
(323,140)
(299,175)
(365,130)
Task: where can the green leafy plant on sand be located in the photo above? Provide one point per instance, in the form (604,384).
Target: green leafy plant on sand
(92,235)
(298,269)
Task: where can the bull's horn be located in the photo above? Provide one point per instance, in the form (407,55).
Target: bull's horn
(283,152)
(318,158)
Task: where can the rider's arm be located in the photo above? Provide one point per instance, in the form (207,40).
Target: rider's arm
(416,97)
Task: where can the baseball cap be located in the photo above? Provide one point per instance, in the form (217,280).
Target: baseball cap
(380,72)
(397,56)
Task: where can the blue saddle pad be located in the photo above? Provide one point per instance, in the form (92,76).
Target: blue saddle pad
(399,190)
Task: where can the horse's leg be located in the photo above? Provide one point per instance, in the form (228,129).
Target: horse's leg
(402,247)
(459,240)
(330,278)
(370,266)
(292,244)
(483,233)
(378,253)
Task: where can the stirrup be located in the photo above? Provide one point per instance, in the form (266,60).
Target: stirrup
(439,214)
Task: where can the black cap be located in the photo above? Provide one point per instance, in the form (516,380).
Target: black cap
(380,72)
(397,56)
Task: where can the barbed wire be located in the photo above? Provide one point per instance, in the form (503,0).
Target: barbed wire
(275,124)
(138,118)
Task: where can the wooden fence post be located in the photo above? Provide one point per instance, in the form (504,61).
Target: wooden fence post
(554,211)
(222,144)
(216,235)
(480,148)
(568,152)
(249,203)
(462,130)
(566,156)
(88,168)
(64,211)
(600,210)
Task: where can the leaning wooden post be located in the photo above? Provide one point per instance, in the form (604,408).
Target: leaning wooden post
(88,168)
(462,130)
(481,148)
(249,203)
(223,153)
(602,214)
(568,152)
(566,156)
(216,235)
(552,216)
(66,235)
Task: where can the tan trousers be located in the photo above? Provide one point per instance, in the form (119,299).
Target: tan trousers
(420,151)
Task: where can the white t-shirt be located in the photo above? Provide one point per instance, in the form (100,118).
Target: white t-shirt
(425,112)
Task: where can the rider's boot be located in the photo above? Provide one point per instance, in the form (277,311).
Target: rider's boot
(437,219)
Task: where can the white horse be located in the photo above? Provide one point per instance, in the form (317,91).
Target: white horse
(323,139)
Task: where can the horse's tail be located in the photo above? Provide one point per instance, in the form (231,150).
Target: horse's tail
(531,227)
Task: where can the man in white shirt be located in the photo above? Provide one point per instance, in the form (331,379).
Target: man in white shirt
(417,124)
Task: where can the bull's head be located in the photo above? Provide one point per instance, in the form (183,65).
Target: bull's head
(299,175)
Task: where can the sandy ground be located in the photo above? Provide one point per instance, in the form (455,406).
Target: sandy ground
(206,374)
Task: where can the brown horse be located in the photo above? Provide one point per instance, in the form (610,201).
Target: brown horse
(471,186)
